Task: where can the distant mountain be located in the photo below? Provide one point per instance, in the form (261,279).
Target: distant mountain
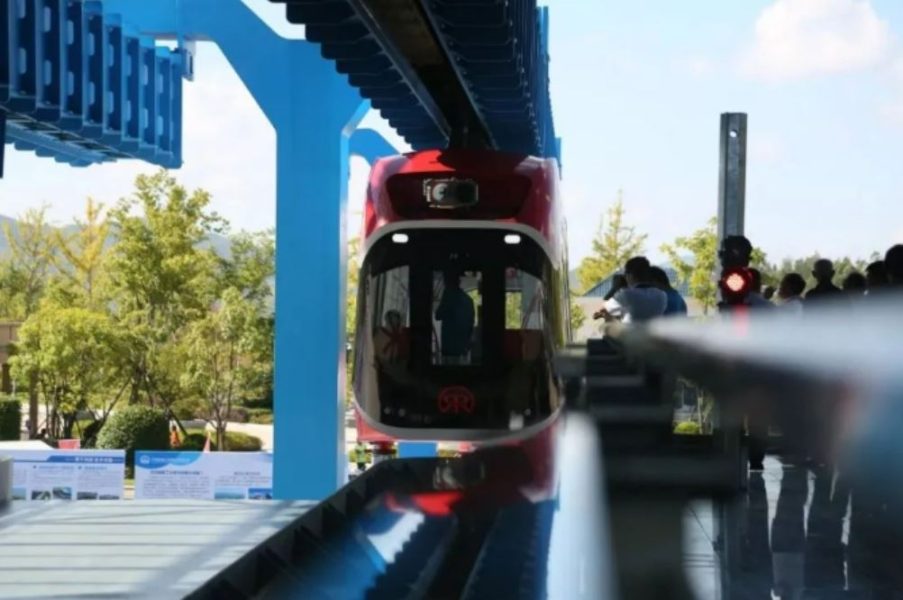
(219,243)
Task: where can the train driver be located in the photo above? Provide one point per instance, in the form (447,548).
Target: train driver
(456,312)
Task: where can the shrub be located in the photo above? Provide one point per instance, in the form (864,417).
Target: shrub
(261,416)
(235,441)
(10,419)
(687,428)
(242,442)
(188,409)
(135,428)
(238,414)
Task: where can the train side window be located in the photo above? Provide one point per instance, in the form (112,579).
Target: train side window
(391,319)
(524,301)
(457,327)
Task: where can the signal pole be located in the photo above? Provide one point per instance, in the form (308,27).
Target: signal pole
(732,175)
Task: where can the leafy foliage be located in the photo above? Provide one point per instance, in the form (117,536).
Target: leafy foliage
(160,277)
(578,316)
(220,356)
(74,356)
(700,272)
(687,428)
(772,274)
(235,442)
(10,419)
(135,428)
(613,245)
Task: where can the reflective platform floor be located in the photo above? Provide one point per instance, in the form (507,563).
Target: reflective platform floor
(135,549)
(800,532)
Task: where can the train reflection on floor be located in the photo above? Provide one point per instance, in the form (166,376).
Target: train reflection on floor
(800,532)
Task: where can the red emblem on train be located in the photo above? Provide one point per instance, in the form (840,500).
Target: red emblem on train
(455,400)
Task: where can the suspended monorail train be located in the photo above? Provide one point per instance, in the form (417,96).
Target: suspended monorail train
(462,296)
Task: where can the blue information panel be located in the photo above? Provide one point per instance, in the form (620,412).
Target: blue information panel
(67,474)
(204,475)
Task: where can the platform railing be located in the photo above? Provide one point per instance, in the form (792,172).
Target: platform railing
(830,380)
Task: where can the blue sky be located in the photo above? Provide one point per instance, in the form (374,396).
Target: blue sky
(637,89)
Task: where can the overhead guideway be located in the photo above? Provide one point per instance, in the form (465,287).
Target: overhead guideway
(471,73)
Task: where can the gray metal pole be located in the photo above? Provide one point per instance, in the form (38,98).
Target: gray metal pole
(732,175)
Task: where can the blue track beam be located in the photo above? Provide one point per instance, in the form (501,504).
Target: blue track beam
(2,137)
(78,86)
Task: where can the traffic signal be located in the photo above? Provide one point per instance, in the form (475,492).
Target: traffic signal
(736,284)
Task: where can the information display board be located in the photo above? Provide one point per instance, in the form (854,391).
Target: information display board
(67,474)
(204,475)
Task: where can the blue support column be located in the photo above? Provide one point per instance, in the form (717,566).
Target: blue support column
(313,110)
(371,145)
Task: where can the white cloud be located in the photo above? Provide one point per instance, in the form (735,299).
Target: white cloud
(802,38)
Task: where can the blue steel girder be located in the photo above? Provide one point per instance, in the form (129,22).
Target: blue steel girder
(498,50)
(81,87)
(314,113)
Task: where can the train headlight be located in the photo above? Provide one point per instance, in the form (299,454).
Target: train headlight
(450,193)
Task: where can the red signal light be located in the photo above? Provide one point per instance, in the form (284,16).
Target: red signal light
(735,282)
(735,285)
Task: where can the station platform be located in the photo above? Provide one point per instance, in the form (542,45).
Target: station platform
(798,532)
(130,548)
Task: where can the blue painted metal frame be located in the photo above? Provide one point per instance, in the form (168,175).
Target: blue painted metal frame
(73,85)
(314,112)
(498,48)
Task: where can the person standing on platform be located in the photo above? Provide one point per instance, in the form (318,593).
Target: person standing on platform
(639,302)
(823,272)
(755,299)
(676,304)
(791,291)
(893,265)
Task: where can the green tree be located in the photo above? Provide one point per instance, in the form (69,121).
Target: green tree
(221,357)
(161,279)
(250,269)
(700,272)
(578,316)
(250,266)
(614,243)
(80,260)
(352,282)
(74,356)
(24,276)
(772,274)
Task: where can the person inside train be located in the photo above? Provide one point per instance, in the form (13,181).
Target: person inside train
(641,301)
(676,303)
(456,313)
(390,340)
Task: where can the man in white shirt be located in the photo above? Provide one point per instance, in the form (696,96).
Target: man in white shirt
(640,300)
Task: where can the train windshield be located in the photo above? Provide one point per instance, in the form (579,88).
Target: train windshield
(456,331)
